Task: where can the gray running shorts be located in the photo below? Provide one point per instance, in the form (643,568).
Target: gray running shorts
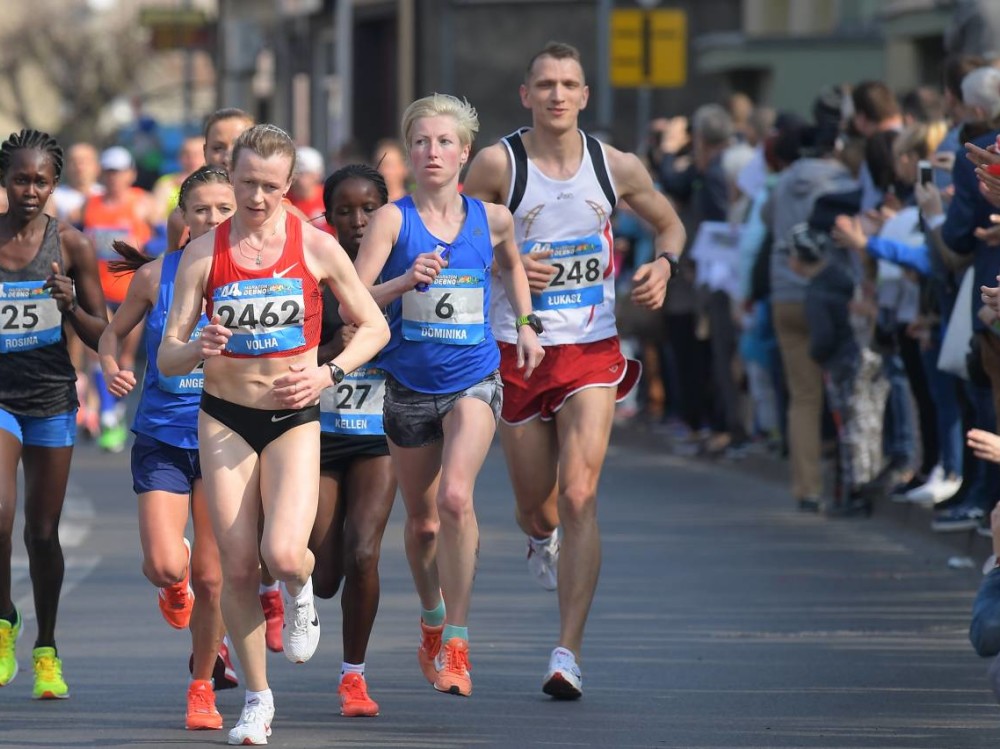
(414,419)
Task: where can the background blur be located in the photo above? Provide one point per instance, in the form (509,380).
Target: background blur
(337,73)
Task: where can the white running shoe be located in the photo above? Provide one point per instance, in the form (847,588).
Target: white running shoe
(564,680)
(300,633)
(254,726)
(938,488)
(543,560)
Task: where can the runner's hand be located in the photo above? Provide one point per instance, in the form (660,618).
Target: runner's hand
(539,273)
(122,383)
(301,386)
(62,289)
(529,350)
(425,268)
(991,295)
(649,284)
(214,338)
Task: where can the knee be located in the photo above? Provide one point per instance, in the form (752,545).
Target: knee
(579,503)
(423,530)
(454,505)
(362,560)
(283,561)
(41,538)
(162,572)
(206,581)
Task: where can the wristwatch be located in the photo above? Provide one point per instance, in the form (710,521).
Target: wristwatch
(672,259)
(336,373)
(531,320)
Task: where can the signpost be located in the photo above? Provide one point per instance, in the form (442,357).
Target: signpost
(648,49)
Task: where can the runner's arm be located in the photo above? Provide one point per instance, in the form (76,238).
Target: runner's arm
(88,312)
(649,283)
(488,175)
(131,312)
(177,354)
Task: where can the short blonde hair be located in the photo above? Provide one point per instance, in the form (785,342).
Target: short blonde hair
(265,141)
(435,105)
(920,138)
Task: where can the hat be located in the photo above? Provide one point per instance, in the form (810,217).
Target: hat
(116,159)
(308,161)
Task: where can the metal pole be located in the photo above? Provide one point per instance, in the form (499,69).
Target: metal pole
(344,53)
(188,80)
(605,94)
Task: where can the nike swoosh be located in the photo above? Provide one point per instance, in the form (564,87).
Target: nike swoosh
(282,273)
(315,621)
(275,419)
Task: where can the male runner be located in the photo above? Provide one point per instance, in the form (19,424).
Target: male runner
(561,186)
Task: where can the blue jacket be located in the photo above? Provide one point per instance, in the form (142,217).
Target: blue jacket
(969,211)
(915,258)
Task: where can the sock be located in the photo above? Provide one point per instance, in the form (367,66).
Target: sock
(10,617)
(450,631)
(351,668)
(303,596)
(268,588)
(263,697)
(434,617)
(538,542)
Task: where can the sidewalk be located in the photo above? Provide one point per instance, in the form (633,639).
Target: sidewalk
(767,466)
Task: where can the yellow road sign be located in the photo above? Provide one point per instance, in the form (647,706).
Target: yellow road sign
(648,48)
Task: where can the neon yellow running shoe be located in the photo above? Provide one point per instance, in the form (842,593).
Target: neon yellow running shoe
(9,634)
(49,684)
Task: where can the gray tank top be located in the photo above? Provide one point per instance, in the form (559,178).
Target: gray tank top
(36,375)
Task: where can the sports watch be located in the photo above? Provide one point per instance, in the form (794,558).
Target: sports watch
(336,373)
(531,320)
(672,260)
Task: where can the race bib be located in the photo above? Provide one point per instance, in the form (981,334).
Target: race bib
(579,278)
(450,311)
(29,316)
(354,407)
(191,383)
(104,239)
(266,315)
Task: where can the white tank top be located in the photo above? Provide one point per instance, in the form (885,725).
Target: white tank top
(573,218)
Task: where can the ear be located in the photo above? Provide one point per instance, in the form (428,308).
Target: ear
(585,98)
(523,91)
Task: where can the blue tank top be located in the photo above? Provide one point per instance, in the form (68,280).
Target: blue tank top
(168,408)
(440,339)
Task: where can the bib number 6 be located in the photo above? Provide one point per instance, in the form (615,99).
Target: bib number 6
(444,308)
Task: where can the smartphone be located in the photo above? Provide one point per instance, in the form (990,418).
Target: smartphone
(925,171)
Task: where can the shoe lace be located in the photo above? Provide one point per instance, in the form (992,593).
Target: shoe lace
(303,613)
(430,641)
(252,715)
(456,659)
(176,595)
(200,700)
(354,689)
(48,668)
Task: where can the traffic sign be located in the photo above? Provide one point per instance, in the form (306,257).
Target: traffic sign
(648,48)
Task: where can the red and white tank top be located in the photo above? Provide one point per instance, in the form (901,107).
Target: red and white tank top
(273,312)
(573,219)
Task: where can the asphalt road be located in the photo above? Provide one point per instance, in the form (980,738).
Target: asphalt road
(724,618)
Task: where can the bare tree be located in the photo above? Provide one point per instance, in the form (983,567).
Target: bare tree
(84,59)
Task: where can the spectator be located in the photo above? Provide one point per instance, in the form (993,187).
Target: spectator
(390,160)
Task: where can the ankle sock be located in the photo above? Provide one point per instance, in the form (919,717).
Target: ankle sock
(268,588)
(263,697)
(351,668)
(434,617)
(450,631)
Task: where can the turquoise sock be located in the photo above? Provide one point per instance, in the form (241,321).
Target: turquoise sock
(450,631)
(434,617)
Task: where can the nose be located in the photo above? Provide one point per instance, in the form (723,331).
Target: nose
(359,219)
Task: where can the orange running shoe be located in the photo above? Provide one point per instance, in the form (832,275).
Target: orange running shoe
(453,668)
(201,712)
(177,600)
(430,646)
(354,699)
(274,619)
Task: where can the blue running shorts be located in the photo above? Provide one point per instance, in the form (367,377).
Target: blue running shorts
(41,431)
(159,467)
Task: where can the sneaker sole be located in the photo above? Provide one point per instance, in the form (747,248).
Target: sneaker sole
(195,727)
(51,696)
(557,687)
(358,713)
(455,689)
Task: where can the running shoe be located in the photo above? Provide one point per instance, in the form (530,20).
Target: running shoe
(201,712)
(49,683)
(254,726)
(563,681)
(113,439)
(430,646)
(453,668)
(543,560)
(177,600)
(354,699)
(300,635)
(223,673)
(9,635)
(274,618)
